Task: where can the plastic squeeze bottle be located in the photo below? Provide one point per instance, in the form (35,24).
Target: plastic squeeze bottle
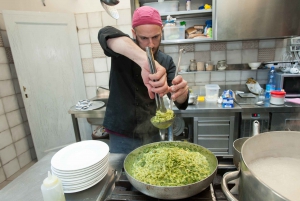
(52,189)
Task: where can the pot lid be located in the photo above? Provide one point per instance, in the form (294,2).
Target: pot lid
(278,92)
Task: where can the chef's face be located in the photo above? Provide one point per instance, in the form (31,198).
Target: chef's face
(148,35)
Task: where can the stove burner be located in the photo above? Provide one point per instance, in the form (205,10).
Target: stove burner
(123,190)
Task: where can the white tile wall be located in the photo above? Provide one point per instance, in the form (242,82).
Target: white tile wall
(5,139)
(234,56)
(249,55)
(234,45)
(6,88)
(202,46)
(11,168)
(10,103)
(83,36)
(1,107)
(86,51)
(102,79)
(3,123)
(7,154)
(107,20)
(266,44)
(95,19)
(125,18)
(126,29)
(3,58)
(5,72)
(81,21)
(2,175)
(21,146)
(202,77)
(100,65)
(18,132)
(89,79)
(13,129)
(94,35)
(217,56)
(233,76)
(24,158)
(14,118)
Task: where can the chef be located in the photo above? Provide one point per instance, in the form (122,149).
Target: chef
(131,102)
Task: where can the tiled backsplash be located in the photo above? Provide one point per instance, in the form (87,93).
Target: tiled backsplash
(16,146)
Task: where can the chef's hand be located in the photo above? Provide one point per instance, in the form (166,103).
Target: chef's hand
(179,89)
(155,83)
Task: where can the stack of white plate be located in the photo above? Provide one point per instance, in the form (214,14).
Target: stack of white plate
(81,165)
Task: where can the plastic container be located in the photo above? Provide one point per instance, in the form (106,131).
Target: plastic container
(188,5)
(166,6)
(52,189)
(277,97)
(212,92)
(174,32)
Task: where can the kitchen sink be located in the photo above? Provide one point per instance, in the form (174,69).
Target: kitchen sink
(101,114)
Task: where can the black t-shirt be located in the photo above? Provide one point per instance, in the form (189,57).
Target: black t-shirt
(129,108)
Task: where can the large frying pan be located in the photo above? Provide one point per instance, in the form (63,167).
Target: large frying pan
(171,192)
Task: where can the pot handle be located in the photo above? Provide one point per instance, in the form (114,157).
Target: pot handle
(227,177)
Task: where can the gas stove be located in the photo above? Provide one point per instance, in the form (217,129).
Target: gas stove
(123,190)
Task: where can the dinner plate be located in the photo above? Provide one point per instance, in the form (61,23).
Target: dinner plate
(81,177)
(94,182)
(79,155)
(84,180)
(81,171)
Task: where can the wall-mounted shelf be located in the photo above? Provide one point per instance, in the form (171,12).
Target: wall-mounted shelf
(191,13)
(168,42)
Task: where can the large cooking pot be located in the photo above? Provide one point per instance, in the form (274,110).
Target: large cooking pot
(171,192)
(270,144)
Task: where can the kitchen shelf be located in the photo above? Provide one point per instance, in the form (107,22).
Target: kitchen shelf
(168,42)
(191,13)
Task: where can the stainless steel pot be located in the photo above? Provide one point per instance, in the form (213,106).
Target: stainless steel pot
(171,192)
(270,144)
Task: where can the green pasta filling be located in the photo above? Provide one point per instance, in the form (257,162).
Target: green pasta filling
(170,166)
(163,116)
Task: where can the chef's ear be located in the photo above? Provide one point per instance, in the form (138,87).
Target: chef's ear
(133,33)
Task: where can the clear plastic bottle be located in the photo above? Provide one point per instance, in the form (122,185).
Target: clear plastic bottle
(52,189)
(271,84)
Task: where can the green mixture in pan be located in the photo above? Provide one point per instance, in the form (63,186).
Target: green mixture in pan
(171,166)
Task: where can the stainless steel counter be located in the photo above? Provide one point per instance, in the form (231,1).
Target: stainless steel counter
(28,185)
(241,105)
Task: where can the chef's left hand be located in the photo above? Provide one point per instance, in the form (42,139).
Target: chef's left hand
(179,89)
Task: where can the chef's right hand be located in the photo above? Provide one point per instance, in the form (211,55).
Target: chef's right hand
(155,83)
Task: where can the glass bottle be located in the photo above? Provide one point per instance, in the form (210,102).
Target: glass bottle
(193,65)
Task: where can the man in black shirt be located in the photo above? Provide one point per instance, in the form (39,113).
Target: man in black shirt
(131,101)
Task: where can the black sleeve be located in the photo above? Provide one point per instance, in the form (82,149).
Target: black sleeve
(184,105)
(106,33)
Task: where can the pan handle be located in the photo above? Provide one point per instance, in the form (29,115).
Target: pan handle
(227,177)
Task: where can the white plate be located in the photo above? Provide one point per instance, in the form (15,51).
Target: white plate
(81,171)
(79,155)
(95,105)
(84,180)
(80,177)
(94,182)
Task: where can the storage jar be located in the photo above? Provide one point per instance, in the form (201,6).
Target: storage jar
(277,97)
